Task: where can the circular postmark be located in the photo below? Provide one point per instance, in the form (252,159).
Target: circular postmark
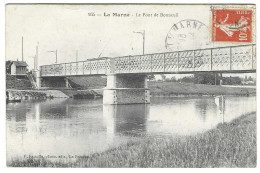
(187,34)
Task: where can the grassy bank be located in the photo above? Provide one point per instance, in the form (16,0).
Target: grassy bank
(15,83)
(229,145)
(175,88)
(93,86)
(38,93)
(159,88)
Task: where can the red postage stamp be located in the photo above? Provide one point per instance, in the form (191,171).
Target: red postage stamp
(231,25)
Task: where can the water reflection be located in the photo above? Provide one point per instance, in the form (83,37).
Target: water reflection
(189,116)
(126,119)
(17,112)
(67,126)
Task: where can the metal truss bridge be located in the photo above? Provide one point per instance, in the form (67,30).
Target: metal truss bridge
(231,59)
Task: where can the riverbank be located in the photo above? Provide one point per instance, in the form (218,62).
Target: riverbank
(13,82)
(91,87)
(179,89)
(168,89)
(228,145)
(159,88)
(19,95)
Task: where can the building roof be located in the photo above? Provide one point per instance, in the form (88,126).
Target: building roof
(8,64)
(18,63)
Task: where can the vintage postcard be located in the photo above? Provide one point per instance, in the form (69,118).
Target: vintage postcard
(127,85)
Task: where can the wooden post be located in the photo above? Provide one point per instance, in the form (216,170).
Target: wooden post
(252,56)
(70,68)
(211,59)
(178,60)
(83,70)
(151,62)
(76,69)
(163,62)
(22,48)
(194,60)
(215,78)
(65,69)
(230,61)
(90,67)
(129,70)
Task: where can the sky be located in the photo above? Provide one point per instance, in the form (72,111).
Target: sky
(71,28)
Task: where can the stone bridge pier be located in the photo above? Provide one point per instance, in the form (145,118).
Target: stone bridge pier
(126,89)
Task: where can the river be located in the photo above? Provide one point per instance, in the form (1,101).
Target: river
(62,127)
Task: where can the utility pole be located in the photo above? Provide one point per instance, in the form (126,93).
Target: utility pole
(76,55)
(143,34)
(22,48)
(143,41)
(36,58)
(33,60)
(56,54)
(215,78)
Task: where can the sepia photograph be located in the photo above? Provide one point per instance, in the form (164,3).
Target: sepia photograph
(130,85)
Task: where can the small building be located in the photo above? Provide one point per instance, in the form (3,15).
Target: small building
(16,68)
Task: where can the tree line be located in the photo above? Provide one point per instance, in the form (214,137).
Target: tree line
(209,78)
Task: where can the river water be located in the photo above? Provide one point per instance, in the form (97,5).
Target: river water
(62,127)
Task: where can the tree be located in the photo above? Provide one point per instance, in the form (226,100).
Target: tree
(151,77)
(206,78)
(232,81)
(187,79)
(173,79)
(163,77)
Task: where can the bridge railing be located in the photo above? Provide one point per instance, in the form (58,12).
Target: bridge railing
(100,66)
(232,58)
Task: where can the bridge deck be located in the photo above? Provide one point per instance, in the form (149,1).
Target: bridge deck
(232,59)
